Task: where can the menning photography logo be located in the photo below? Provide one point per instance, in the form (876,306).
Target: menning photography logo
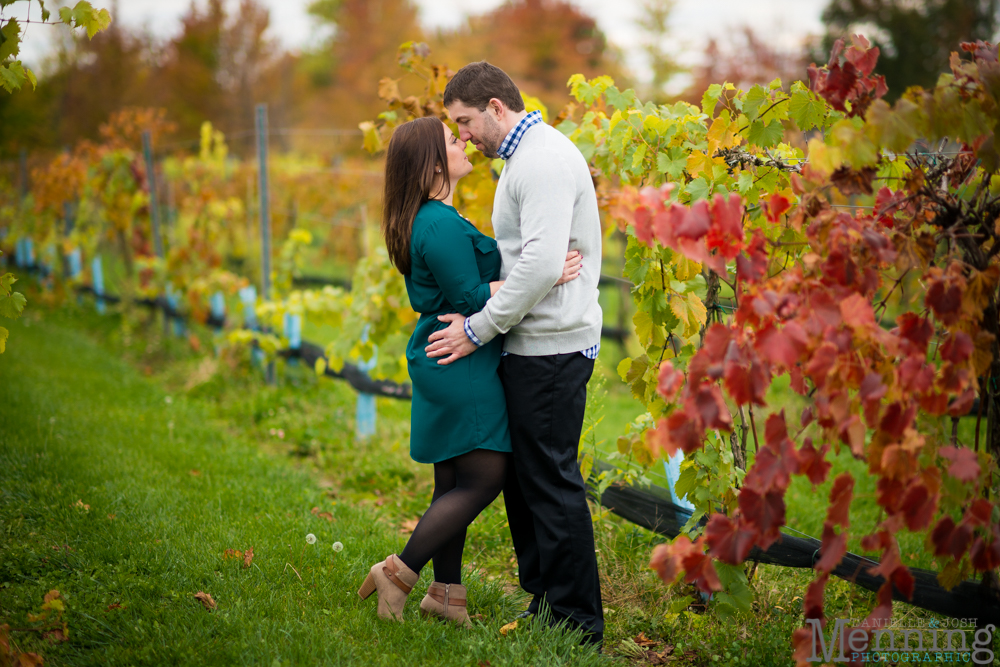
(937,641)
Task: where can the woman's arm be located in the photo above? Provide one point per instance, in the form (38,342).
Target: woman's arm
(451,258)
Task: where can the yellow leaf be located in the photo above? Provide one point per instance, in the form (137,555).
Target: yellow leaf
(690,310)
(823,158)
(320,366)
(4,334)
(508,628)
(698,163)
(534,104)
(372,140)
(684,268)
(616,118)
(388,89)
(722,133)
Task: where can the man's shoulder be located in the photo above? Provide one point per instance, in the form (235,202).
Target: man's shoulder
(542,136)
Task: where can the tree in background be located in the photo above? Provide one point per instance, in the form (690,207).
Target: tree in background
(341,86)
(539,43)
(745,60)
(915,37)
(653,22)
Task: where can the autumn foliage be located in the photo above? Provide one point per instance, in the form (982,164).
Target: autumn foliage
(826,310)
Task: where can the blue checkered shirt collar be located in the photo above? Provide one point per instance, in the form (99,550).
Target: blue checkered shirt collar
(513,137)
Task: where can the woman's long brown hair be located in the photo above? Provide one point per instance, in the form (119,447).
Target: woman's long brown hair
(415,150)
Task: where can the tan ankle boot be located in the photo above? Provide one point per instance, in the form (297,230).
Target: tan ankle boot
(446,601)
(393,581)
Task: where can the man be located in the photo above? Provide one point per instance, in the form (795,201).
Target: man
(545,204)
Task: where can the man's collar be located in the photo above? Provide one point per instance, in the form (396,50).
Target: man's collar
(513,138)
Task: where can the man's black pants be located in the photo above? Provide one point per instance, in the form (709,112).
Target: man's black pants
(545,495)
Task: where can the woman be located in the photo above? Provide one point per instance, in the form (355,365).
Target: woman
(459,414)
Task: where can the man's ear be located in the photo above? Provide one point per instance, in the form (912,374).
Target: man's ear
(497,107)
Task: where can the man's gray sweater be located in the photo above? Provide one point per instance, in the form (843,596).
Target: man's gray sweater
(545,206)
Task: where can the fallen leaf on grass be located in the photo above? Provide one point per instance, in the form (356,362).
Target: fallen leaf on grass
(194,472)
(231,553)
(508,628)
(111,517)
(642,640)
(323,515)
(409,526)
(29,660)
(80,505)
(116,606)
(248,557)
(58,635)
(661,658)
(205,599)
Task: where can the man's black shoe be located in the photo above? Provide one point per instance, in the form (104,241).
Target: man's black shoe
(527,613)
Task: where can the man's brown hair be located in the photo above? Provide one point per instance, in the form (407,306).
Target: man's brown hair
(477,83)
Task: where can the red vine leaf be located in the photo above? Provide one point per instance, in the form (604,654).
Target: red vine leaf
(832,549)
(728,540)
(838,513)
(964,463)
(812,605)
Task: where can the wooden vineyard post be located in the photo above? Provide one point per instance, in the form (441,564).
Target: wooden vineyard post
(265,216)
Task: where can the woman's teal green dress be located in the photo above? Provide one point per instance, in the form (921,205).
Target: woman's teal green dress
(459,407)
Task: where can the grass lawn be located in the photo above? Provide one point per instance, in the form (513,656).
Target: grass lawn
(132,463)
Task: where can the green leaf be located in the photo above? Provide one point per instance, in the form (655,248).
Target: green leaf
(687,480)
(698,189)
(643,325)
(680,604)
(10,40)
(671,163)
(752,101)
(4,335)
(765,136)
(12,76)
(620,100)
(83,15)
(623,367)
(11,305)
(744,182)
(6,280)
(710,99)
(640,155)
(45,13)
(806,109)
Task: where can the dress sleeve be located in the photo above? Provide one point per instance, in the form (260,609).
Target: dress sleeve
(451,258)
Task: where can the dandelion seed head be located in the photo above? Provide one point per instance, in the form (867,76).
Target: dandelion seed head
(310,538)
(338,547)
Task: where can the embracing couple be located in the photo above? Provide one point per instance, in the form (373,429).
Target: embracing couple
(502,352)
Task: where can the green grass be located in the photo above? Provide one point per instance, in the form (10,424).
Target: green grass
(81,425)
(265,456)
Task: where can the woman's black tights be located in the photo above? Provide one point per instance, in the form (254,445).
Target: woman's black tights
(463,487)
